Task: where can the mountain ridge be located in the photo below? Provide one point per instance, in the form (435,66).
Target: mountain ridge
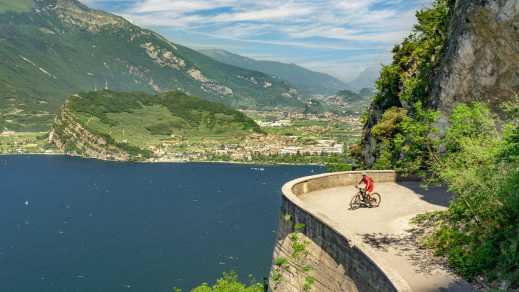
(305,80)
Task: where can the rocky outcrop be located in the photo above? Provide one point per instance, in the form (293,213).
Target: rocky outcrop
(74,13)
(73,138)
(481,59)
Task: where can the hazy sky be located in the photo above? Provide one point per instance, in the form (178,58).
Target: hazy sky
(340,37)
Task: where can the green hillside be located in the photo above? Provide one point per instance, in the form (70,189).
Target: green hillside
(306,81)
(61,47)
(137,122)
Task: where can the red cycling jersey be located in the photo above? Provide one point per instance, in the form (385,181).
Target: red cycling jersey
(370,184)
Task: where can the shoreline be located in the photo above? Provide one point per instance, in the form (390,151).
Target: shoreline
(169,161)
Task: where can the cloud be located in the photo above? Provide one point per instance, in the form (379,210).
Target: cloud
(177,6)
(355,20)
(305,28)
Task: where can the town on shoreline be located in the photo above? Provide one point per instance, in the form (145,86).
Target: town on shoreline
(292,138)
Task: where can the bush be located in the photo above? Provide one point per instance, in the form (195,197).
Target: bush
(230,283)
(390,125)
(480,232)
(406,141)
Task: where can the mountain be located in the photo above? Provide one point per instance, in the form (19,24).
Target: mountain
(306,81)
(366,78)
(54,48)
(124,126)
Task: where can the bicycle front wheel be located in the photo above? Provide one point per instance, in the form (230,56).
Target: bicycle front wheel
(375,199)
(355,202)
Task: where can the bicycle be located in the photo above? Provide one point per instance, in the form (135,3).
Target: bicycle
(361,199)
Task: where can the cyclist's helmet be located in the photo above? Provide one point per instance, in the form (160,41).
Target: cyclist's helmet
(364,173)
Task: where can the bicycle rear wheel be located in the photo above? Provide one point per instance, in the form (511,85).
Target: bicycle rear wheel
(375,200)
(355,202)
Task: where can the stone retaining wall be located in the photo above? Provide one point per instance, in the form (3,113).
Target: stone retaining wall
(340,261)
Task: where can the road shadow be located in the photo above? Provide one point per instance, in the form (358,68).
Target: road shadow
(458,286)
(362,205)
(432,194)
(423,260)
(407,245)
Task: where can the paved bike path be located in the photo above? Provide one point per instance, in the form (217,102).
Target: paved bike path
(387,232)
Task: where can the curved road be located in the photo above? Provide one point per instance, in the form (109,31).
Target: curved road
(386,230)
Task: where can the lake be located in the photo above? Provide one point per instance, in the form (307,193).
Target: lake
(71,224)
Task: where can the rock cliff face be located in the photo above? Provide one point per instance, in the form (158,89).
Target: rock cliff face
(481,59)
(477,61)
(69,136)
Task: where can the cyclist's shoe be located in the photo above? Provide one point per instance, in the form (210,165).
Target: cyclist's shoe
(368,201)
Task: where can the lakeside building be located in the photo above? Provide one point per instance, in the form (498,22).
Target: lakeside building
(275,124)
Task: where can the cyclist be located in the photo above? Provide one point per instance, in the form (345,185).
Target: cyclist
(369,185)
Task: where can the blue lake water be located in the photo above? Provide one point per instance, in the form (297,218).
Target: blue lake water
(70,224)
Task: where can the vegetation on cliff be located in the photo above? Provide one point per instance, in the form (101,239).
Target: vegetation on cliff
(398,120)
(470,149)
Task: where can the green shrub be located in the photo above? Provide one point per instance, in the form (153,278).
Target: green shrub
(230,283)
(480,231)
(469,122)
(390,124)
(406,141)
